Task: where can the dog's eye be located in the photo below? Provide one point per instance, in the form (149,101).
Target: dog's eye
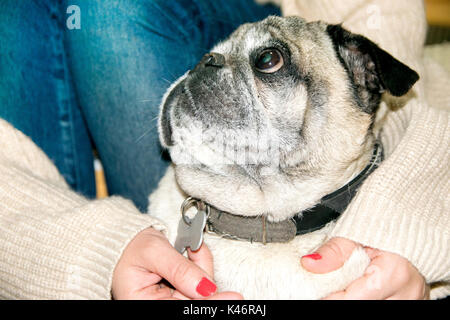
(269,61)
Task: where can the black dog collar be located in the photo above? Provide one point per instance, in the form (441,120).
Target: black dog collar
(258,229)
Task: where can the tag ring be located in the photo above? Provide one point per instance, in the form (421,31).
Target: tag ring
(189,202)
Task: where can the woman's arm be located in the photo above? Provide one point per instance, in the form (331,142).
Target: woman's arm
(403,206)
(55,244)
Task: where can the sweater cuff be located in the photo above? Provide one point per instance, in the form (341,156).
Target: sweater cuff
(67,254)
(102,243)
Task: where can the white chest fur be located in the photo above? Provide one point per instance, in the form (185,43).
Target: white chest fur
(258,271)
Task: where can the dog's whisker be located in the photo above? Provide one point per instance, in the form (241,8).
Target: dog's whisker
(148,100)
(167,80)
(146,132)
(143,135)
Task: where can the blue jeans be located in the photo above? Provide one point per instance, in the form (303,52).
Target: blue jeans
(72,90)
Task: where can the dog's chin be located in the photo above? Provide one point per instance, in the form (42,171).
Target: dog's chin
(255,189)
(204,173)
(233,189)
(225,187)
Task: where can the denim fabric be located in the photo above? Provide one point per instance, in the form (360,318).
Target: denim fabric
(106,79)
(36,91)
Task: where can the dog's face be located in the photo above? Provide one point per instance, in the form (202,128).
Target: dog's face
(277,116)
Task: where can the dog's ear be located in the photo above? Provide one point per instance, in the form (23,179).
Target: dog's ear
(369,66)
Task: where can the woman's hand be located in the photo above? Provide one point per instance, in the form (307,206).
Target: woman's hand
(389,276)
(149,258)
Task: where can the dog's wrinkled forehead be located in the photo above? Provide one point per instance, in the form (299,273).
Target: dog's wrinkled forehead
(253,35)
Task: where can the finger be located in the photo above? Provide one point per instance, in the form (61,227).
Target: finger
(203,258)
(150,292)
(340,295)
(372,253)
(373,285)
(154,292)
(191,280)
(228,295)
(413,285)
(412,293)
(357,290)
(329,256)
(135,277)
(178,295)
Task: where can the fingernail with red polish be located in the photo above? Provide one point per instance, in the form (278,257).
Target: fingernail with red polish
(206,287)
(314,256)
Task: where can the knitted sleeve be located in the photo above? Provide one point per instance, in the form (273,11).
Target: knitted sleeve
(403,207)
(55,244)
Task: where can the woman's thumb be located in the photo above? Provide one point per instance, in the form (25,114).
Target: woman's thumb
(330,256)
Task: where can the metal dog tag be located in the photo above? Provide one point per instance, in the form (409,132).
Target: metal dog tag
(190,232)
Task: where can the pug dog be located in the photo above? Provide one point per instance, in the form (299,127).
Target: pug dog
(270,136)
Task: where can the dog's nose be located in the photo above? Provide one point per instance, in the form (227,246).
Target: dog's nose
(212,59)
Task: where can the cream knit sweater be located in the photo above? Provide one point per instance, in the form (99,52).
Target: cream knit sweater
(403,207)
(54,244)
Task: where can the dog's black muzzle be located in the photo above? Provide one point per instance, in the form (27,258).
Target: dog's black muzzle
(206,69)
